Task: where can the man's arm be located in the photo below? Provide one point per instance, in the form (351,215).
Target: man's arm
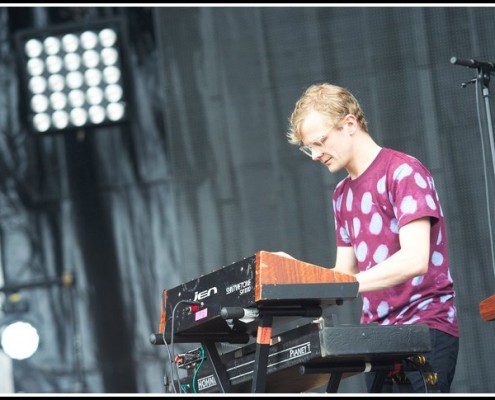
(410,261)
(346,260)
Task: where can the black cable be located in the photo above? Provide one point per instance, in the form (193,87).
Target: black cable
(164,305)
(420,370)
(171,365)
(174,364)
(425,384)
(196,372)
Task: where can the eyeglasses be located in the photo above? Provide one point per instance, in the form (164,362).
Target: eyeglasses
(308,149)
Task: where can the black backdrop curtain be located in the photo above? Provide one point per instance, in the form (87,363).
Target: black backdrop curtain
(203,176)
(96,204)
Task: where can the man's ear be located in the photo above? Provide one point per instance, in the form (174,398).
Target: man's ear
(350,122)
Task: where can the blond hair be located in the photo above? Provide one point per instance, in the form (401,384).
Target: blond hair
(333,101)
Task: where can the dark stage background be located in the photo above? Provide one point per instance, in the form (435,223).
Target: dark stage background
(202,175)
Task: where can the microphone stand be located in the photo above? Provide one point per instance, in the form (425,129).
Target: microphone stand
(483,77)
(487,306)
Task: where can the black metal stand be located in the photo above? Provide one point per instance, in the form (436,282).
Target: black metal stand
(382,370)
(261,356)
(317,348)
(483,77)
(484,80)
(484,69)
(266,315)
(218,367)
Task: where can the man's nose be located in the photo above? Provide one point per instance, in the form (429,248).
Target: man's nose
(316,153)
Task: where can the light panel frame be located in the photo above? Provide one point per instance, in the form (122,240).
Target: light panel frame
(62,94)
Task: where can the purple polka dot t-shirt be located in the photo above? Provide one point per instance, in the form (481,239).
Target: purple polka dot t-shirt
(369,211)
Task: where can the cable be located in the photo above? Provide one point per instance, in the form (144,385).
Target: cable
(171,365)
(420,370)
(164,305)
(174,364)
(184,387)
(197,370)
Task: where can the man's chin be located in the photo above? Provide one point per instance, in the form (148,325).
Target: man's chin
(333,168)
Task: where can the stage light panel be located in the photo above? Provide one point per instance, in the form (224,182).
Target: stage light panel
(73,76)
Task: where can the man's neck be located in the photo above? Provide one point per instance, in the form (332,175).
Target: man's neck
(365,152)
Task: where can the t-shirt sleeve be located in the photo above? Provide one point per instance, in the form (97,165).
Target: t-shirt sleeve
(341,230)
(413,193)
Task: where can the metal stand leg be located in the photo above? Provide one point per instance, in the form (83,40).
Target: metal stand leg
(334,382)
(218,367)
(377,384)
(261,356)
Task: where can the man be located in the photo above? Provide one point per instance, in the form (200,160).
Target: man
(390,228)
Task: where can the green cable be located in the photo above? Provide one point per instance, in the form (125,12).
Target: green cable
(197,370)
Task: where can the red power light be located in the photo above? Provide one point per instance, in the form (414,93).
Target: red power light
(194,308)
